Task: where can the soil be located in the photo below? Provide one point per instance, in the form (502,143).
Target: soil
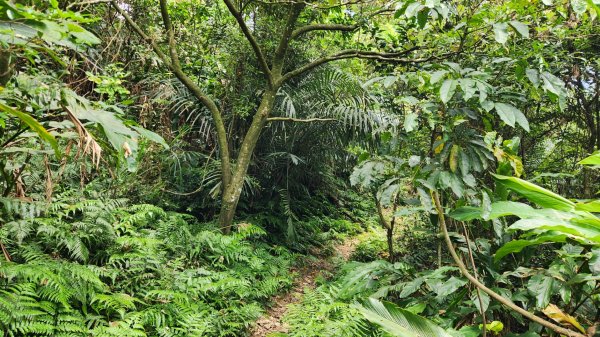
(271,322)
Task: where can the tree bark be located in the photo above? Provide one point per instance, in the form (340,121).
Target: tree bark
(233,190)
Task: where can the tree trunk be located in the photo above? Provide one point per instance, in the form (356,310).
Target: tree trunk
(233,190)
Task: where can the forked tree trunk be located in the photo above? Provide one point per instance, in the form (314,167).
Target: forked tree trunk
(232,192)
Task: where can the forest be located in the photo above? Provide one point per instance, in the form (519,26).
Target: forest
(300,168)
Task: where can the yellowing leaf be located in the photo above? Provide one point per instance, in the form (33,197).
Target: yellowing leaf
(453,160)
(559,316)
(440,147)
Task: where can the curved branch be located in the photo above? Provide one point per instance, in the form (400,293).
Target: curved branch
(506,302)
(300,120)
(326,27)
(253,43)
(353,53)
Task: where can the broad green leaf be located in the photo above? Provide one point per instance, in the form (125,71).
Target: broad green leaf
(411,122)
(583,230)
(579,6)
(151,136)
(436,76)
(533,76)
(33,125)
(592,206)
(82,35)
(501,32)
(366,173)
(399,322)
(507,113)
(510,114)
(447,90)
(449,287)
(593,160)
(594,261)
(485,299)
(409,288)
(542,287)
(535,193)
(521,28)
(466,213)
(516,246)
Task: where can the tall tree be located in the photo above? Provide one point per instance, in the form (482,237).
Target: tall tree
(299,20)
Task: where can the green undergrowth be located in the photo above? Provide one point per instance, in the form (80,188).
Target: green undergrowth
(329,310)
(105,268)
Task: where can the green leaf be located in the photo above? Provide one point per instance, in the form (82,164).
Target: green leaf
(579,6)
(411,121)
(501,32)
(151,136)
(436,76)
(485,299)
(592,206)
(466,213)
(582,229)
(594,262)
(542,287)
(593,160)
(449,287)
(33,125)
(495,326)
(516,246)
(399,322)
(521,28)
(535,193)
(82,35)
(507,113)
(447,90)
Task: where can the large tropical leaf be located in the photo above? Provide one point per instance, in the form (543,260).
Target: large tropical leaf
(33,125)
(593,160)
(400,322)
(535,193)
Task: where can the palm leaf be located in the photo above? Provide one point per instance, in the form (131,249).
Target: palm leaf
(400,322)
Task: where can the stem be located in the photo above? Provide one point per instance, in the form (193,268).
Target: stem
(506,302)
(483,318)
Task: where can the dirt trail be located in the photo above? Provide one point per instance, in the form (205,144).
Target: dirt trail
(272,321)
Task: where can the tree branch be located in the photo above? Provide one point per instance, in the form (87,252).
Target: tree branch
(164,12)
(175,68)
(257,51)
(353,53)
(300,120)
(506,302)
(282,48)
(327,27)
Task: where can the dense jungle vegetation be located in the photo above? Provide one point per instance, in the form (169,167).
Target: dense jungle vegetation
(413,168)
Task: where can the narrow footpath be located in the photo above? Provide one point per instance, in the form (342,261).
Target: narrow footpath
(271,322)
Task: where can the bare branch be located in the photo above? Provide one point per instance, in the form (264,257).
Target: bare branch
(326,27)
(253,43)
(300,120)
(354,53)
